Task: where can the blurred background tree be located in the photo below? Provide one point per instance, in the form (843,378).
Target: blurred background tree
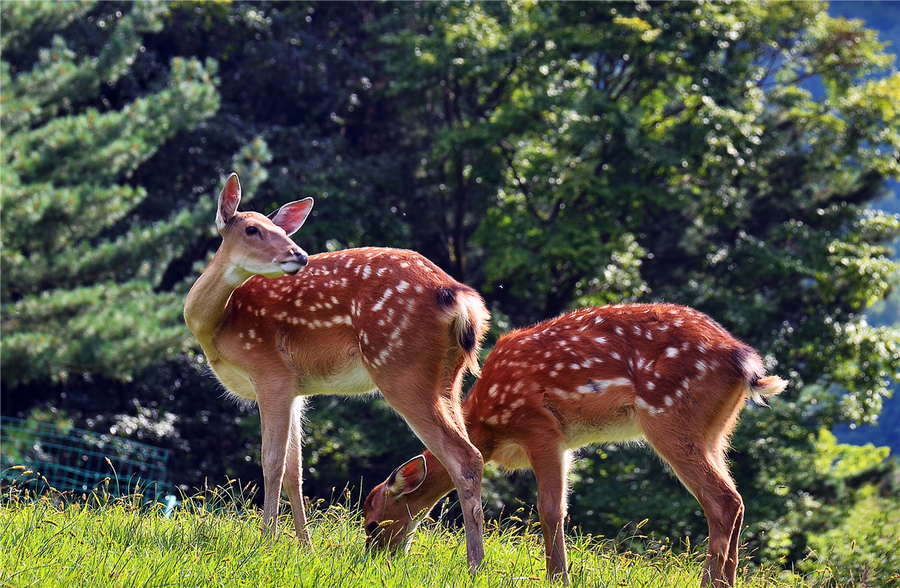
(723,156)
(80,274)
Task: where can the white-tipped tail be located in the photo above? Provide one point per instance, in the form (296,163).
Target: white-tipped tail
(768,386)
(470,326)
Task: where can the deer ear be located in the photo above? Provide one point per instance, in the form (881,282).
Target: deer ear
(229,199)
(291,216)
(408,477)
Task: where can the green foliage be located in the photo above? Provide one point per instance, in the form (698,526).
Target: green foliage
(870,557)
(214,539)
(840,461)
(553,155)
(818,495)
(79,284)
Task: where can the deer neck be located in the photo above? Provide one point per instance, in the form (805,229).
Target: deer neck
(204,308)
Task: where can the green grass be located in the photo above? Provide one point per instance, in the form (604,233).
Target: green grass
(215,540)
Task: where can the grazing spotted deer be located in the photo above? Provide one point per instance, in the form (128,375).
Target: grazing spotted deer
(353,322)
(664,373)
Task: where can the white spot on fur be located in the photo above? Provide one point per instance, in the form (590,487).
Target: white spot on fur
(563,393)
(601,386)
(380,304)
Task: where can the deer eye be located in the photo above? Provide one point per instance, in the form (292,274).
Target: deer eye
(251,231)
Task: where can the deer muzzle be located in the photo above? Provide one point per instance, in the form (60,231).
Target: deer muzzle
(297,262)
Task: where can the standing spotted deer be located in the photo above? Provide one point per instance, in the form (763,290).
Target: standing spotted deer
(664,373)
(352,322)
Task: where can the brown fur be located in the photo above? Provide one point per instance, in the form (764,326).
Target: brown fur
(664,373)
(351,322)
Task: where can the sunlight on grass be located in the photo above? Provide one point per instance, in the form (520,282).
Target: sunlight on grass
(214,539)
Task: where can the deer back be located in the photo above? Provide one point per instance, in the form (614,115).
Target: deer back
(603,373)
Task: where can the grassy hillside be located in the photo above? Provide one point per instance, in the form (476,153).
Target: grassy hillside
(213,540)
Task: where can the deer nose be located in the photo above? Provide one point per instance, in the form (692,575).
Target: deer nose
(296,261)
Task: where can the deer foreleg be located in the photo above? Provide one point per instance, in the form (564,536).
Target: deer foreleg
(275,418)
(550,464)
(293,473)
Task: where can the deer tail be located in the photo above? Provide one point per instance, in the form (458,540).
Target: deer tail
(470,323)
(757,386)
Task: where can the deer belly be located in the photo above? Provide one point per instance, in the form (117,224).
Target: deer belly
(351,380)
(511,456)
(235,381)
(612,432)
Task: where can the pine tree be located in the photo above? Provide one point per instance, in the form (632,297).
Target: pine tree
(80,272)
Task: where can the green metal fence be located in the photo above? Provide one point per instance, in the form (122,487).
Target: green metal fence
(80,461)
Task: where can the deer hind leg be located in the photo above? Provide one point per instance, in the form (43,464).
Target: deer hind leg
(293,472)
(731,565)
(550,464)
(433,413)
(702,470)
(466,467)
